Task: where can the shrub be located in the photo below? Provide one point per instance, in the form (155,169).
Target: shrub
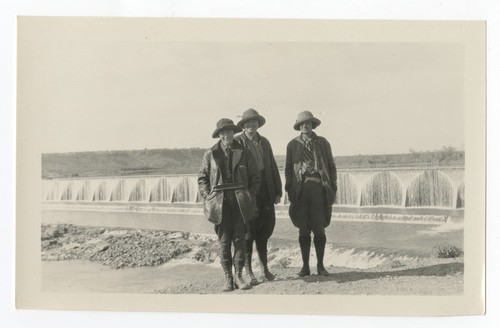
(447,251)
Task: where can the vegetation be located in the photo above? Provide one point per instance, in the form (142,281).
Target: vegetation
(444,157)
(126,162)
(187,161)
(447,251)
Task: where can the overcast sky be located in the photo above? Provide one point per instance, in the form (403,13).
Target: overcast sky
(372,98)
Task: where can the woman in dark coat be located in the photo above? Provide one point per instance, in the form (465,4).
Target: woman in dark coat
(228,180)
(269,194)
(311,183)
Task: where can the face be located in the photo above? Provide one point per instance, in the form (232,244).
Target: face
(226,137)
(251,125)
(306,127)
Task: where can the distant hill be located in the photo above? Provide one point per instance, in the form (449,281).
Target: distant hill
(187,161)
(124,162)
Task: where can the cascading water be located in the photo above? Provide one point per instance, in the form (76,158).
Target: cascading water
(67,193)
(118,192)
(186,191)
(84,192)
(431,188)
(101,193)
(138,193)
(339,256)
(394,188)
(461,196)
(162,192)
(347,190)
(382,189)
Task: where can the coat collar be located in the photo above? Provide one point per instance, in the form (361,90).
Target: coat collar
(218,154)
(313,139)
(234,146)
(257,136)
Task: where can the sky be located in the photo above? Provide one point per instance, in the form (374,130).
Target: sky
(372,97)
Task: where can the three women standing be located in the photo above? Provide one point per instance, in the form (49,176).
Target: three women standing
(240,184)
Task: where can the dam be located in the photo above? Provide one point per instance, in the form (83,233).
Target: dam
(371,190)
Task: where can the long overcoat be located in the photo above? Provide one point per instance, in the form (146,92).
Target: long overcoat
(271,172)
(293,174)
(244,171)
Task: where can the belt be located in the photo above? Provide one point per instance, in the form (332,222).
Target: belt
(313,179)
(228,186)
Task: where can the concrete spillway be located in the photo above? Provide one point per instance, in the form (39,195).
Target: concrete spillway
(396,187)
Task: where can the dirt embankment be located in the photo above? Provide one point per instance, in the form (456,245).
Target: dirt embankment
(121,247)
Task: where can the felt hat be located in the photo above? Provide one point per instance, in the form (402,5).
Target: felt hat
(306,116)
(225,124)
(251,114)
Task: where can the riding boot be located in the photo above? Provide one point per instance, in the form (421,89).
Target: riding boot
(248,263)
(305,248)
(239,282)
(262,251)
(228,273)
(319,245)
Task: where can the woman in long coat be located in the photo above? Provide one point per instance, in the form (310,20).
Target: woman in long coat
(228,180)
(311,183)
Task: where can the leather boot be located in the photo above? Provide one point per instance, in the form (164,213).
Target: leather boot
(305,248)
(248,263)
(239,282)
(228,273)
(262,250)
(319,245)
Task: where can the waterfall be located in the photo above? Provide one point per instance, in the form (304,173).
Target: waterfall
(84,193)
(186,190)
(412,187)
(138,193)
(347,190)
(432,189)
(101,193)
(382,189)
(67,194)
(284,197)
(162,192)
(461,196)
(118,193)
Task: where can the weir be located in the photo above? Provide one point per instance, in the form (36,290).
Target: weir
(429,187)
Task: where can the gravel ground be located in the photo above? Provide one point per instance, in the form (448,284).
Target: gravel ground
(122,247)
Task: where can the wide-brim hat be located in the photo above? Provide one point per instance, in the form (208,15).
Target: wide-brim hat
(251,114)
(225,124)
(304,117)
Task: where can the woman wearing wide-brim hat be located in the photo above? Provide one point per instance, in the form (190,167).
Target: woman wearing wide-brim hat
(228,180)
(311,184)
(269,194)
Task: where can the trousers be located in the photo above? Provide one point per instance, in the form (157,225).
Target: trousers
(231,231)
(262,227)
(311,209)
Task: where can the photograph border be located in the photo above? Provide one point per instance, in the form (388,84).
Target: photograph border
(471,33)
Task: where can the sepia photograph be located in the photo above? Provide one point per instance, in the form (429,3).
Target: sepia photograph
(318,162)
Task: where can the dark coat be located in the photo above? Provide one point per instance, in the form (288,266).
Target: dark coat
(293,175)
(272,175)
(244,170)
